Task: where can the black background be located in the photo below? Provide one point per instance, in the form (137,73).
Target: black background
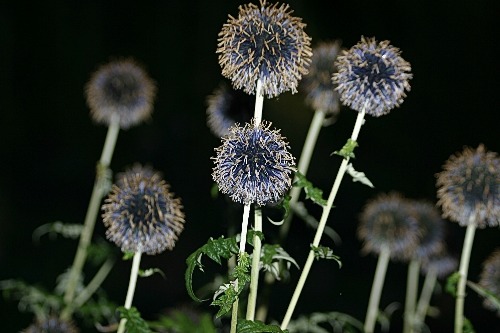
(49,145)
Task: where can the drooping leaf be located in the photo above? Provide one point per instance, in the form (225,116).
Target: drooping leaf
(135,323)
(358,176)
(324,252)
(274,259)
(151,271)
(313,193)
(249,326)
(348,150)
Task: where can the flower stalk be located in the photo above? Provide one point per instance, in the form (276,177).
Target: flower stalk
(134,272)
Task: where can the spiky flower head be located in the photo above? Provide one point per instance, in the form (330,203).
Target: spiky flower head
(141,213)
(253,164)
(372,75)
(388,221)
(51,325)
(441,263)
(226,107)
(469,188)
(490,279)
(317,84)
(431,227)
(122,88)
(265,43)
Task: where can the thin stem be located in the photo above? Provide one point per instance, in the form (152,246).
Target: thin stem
(411,295)
(259,102)
(321,226)
(91,216)
(254,277)
(376,292)
(95,283)
(131,287)
(425,296)
(464,267)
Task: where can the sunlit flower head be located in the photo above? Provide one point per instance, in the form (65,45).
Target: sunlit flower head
(317,84)
(253,164)
(51,325)
(266,43)
(141,213)
(389,221)
(490,279)
(372,75)
(441,263)
(431,227)
(226,107)
(469,188)
(122,88)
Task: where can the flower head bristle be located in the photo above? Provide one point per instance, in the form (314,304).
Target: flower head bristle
(141,213)
(431,227)
(265,43)
(253,164)
(122,88)
(490,279)
(52,324)
(469,188)
(441,263)
(372,76)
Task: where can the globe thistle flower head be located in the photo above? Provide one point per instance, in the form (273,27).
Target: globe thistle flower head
(226,107)
(265,43)
(469,188)
(372,75)
(317,84)
(141,213)
(253,164)
(431,227)
(51,325)
(388,221)
(120,88)
(442,263)
(490,279)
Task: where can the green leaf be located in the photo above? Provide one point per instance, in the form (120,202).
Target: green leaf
(285,205)
(251,233)
(214,191)
(451,284)
(324,252)
(181,322)
(348,150)
(135,323)
(249,326)
(215,249)
(128,255)
(494,300)
(340,322)
(151,271)
(272,257)
(468,328)
(313,193)
(67,230)
(358,176)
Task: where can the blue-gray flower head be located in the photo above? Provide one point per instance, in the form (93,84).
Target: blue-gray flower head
(317,84)
(120,88)
(372,75)
(431,227)
(267,43)
(226,107)
(51,325)
(442,264)
(469,188)
(253,165)
(490,279)
(389,221)
(141,214)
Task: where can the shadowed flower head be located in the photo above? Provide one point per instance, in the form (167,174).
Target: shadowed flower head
(431,227)
(441,263)
(490,279)
(266,43)
(51,325)
(389,221)
(120,88)
(253,164)
(226,107)
(373,75)
(469,188)
(317,84)
(141,214)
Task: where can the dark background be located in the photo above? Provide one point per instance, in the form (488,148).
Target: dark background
(49,145)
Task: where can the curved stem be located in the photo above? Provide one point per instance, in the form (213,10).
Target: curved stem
(134,272)
(425,296)
(95,283)
(254,282)
(411,296)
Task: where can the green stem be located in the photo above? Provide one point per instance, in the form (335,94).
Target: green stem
(411,295)
(464,267)
(321,226)
(91,216)
(254,277)
(134,272)
(425,296)
(376,292)
(94,284)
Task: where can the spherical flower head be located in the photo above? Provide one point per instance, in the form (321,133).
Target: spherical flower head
(431,227)
(441,263)
(317,84)
(469,188)
(490,279)
(265,43)
(226,107)
(388,221)
(51,325)
(141,213)
(372,76)
(253,164)
(120,88)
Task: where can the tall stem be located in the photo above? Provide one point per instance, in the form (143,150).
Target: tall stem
(254,277)
(425,296)
(411,296)
(321,226)
(91,216)
(131,287)
(259,102)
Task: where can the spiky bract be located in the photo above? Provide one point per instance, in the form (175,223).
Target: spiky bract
(266,43)
(141,213)
(431,227)
(372,75)
(469,188)
(490,279)
(122,88)
(253,164)
(51,325)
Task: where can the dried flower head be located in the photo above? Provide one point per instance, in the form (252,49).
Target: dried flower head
(441,263)
(372,75)
(469,188)
(389,221)
(120,88)
(141,214)
(431,227)
(226,107)
(253,164)
(317,84)
(266,43)
(51,325)
(490,279)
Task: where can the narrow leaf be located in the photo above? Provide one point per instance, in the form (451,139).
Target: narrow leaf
(358,176)
(313,193)
(249,326)
(348,150)
(151,271)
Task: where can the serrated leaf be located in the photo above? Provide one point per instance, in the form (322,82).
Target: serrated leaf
(313,193)
(494,300)
(340,322)
(451,284)
(151,271)
(272,257)
(358,176)
(348,150)
(249,326)
(324,252)
(183,322)
(135,323)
